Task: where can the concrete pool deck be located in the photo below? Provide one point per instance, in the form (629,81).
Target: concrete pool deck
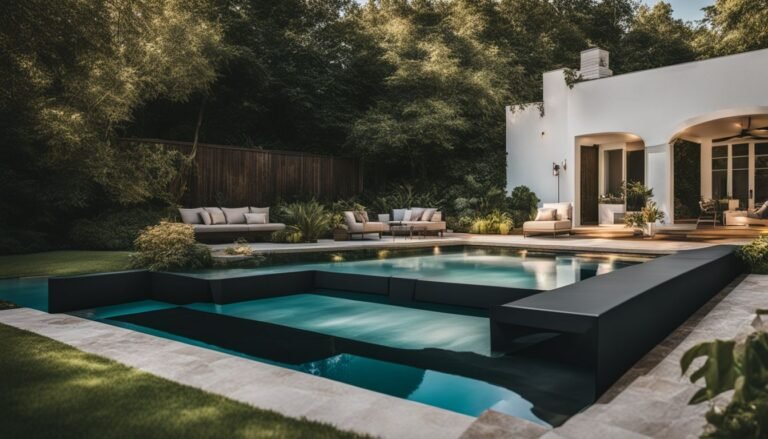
(287,392)
(570,243)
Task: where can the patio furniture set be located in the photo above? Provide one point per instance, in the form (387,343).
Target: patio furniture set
(413,221)
(726,212)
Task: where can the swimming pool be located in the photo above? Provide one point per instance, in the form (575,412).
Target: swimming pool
(428,351)
(491,266)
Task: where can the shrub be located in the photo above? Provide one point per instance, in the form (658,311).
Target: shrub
(755,255)
(112,230)
(22,241)
(494,222)
(738,365)
(310,219)
(403,197)
(240,248)
(287,236)
(170,246)
(522,204)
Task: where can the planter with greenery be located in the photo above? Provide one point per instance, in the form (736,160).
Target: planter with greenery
(608,206)
(170,246)
(646,219)
(307,221)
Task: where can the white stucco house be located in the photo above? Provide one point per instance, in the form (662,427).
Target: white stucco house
(607,129)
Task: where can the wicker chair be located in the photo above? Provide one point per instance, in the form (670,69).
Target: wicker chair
(707,212)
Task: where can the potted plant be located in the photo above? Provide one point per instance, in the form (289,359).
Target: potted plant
(646,219)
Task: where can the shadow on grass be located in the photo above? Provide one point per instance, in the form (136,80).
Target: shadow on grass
(52,390)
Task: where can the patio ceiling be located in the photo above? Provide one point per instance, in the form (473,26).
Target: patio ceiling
(725,127)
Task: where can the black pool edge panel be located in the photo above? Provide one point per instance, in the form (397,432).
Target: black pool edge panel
(74,293)
(613,340)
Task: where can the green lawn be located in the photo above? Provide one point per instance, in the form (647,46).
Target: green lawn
(50,389)
(62,263)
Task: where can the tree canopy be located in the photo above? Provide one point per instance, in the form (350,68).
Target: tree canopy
(415,88)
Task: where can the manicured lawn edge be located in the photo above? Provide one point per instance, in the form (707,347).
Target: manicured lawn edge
(51,389)
(62,263)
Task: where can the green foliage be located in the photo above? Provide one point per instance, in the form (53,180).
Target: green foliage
(755,255)
(288,236)
(741,366)
(306,221)
(15,241)
(240,248)
(404,196)
(734,26)
(337,209)
(522,204)
(62,263)
(649,214)
(637,195)
(495,222)
(170,246)
(115,230)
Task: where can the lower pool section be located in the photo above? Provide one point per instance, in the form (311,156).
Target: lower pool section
(431,356)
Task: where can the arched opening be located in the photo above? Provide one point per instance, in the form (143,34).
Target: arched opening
(722,159)
(605,162)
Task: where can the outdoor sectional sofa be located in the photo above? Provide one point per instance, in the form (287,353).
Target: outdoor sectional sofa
(422,220)
(214,224)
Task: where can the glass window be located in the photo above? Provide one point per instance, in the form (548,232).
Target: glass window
(742,149)
(761,148)
(741,163)
(719,184)
(720,151)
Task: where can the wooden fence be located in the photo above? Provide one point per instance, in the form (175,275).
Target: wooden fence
(233,176)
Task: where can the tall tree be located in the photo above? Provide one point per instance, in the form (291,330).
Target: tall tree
(734,26)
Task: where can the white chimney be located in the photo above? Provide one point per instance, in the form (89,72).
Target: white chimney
(594,64)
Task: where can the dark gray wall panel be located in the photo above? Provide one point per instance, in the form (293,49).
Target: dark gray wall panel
(90,291)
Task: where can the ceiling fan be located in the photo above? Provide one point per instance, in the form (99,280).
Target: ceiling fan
(747,132)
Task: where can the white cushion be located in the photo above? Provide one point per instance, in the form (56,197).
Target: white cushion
(217,216)
(205,217)
(416,213)
(255,218)
(546,226)
(397,214)
(236,215)
(563,209)
(546,214)
(407,215)
(264,210)
(427,215)
(191,216)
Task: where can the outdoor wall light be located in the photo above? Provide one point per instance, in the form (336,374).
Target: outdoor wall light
(556,173)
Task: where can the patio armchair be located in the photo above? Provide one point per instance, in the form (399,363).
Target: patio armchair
(552,218)
(707,212)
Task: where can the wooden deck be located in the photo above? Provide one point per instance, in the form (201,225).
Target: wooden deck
(676,231)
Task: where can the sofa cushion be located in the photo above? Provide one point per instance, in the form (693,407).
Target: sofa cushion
(269,227)
(349,218)
(397,214)
(255,218)
(407,215)
(361,216)
(546,226)
(235,215)
(762,212)
(427,215)
(437,217)
(191,216)
(215,228)
(205,217)
(217,215)
(261,210)
(546,214)
(564,210)
(416,213)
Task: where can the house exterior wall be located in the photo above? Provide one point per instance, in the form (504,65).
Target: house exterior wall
(655,105)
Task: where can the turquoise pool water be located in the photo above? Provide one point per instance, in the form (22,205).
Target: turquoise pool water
(478,266)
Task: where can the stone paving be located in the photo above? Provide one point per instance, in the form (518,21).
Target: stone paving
(572,243)
(262,385)
(651,399)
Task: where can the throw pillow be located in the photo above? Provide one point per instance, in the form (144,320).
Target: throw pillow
(264,210)
(361,216)
(205,217)
(416,213)
(427,215)
(546,214)
(407,215)
(235,216)
(191,216)
(397,214)
(217,216)
(437,217)
(255,218)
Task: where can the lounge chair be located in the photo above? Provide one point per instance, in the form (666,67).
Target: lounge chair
(560,222)
(355,227)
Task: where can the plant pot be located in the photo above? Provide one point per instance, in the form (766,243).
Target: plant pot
(607,212)
(340,235)
(649,230)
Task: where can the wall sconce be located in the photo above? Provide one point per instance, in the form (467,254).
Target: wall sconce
(556,173)
(555,169)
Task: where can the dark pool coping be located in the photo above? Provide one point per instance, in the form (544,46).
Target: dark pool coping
(609,322)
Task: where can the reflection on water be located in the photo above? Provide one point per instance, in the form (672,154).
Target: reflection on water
(479,266)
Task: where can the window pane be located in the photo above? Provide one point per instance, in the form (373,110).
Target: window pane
(719,184)
(721,164)
(720,151)
(741,187)
(761,187)
(761,162)
(740,149)
(761,148)
(741,163)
